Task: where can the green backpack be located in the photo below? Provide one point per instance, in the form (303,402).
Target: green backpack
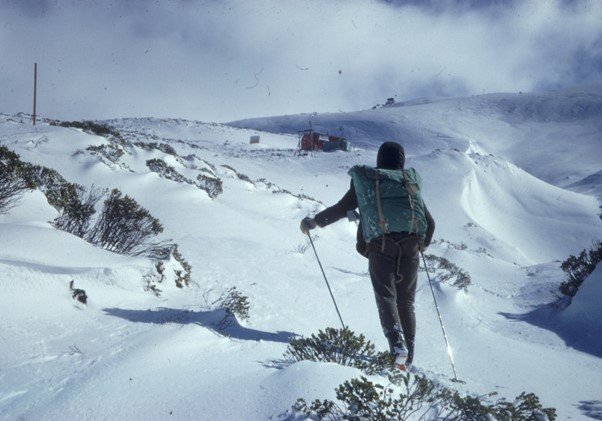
(389,201)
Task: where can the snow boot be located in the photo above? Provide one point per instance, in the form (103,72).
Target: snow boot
(400,358)
(398,350)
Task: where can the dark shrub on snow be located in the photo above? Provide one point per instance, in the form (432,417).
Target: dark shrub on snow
(408,396)
(12,180)
(166,171)
(91,127)
(211,185)
(579,267)
(124,226)
(235,303)
(78,207)
(183,276)
(341,346)
(446,271)
(420,398)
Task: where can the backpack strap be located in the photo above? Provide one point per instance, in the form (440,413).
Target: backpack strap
(381,217)
(414,221)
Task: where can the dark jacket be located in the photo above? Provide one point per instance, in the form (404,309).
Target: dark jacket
(349,203)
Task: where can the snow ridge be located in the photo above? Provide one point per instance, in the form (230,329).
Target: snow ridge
(504,188)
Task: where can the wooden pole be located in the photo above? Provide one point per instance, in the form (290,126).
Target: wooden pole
(35,90)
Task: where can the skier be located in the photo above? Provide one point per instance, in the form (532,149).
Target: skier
(394,226)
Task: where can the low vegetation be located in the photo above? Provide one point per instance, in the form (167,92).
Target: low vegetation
(109,219)
(91,127)
(341,346)
(124,226)
(12,181)
(579,267)
(446,271)
(411,396)
(236,305)
(406,396)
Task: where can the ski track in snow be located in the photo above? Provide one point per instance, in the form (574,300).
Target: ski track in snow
(496,178)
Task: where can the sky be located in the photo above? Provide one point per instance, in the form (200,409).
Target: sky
(224,60)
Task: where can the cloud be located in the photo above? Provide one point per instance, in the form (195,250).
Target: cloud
(224,60)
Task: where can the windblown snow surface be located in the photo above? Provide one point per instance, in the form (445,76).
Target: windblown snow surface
(512,180)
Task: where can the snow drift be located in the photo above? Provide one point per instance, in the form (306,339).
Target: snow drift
(500,179)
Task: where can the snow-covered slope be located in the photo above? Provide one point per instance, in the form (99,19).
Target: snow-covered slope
(556,136)
(499,180)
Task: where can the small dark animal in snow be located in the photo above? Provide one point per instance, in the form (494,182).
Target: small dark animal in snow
(78,294)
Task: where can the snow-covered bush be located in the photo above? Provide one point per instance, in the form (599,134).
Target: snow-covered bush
(235,303)
(47,180)
(163,147)
(420,398)
(526,406)
(152,279)
(211,185)
(92,127)
(12,182)
(182,275)
(75,203)
(171,268)
(110,152)
(124,226)
(445,271)
(240,176)
(166,171)
(11,190)
(78,206)
(579,267)
(341,346)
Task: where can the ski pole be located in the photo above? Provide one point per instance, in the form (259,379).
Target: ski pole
(327,284)
(447,346)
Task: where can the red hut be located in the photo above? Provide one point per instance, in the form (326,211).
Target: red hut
(309,140)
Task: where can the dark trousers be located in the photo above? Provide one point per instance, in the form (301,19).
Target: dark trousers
(394,274)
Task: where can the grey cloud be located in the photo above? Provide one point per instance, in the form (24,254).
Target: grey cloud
(583,65)
(232,59)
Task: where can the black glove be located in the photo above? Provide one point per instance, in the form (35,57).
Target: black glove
(421,245)
(308,224)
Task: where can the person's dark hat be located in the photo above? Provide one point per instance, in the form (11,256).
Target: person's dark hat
(391,156)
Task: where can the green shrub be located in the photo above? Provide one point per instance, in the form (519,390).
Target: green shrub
(525,407)
(166,171)
(406,396)
(124,226)
(182,276)
(240,176)
(111,152)
(420,398)
(341,346)
(12,182)
(77,205)
(236,306)
(235,303)
(11,191)
(160,251)
(211,185)
(91,127)
(445,271)
(162,147)
(154,278)
(579,267)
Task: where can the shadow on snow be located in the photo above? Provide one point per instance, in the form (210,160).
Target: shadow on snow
(592,409)
(217,320)
(582,338)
